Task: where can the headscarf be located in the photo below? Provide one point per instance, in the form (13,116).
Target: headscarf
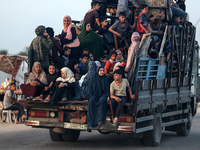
(41,76)
(52,77)
(92,41)
(135,44)
(68,29)
(98,64)
(38,48)
(69,76)
(99,85)
(121,58)
(116,65)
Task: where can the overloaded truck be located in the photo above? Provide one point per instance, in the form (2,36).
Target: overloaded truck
(165,91)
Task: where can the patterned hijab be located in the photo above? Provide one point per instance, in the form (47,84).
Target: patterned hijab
(41,76)
(69,76)
(38,49)
(68,29)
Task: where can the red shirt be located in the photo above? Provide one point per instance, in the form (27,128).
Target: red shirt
(109,67)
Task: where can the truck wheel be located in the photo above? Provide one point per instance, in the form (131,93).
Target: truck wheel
(71,135)
(153,137)
(55,136)
(184,128)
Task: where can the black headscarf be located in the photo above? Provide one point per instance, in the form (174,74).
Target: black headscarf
(99,85)
(52,77)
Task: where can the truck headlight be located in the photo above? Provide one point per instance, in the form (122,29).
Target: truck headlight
(52,114)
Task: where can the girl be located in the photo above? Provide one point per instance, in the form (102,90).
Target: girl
(97,105)
(35,82)
(51,79)
(68,37)
(111,63)
(64,86)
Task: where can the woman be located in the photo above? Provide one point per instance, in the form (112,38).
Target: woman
(132,54)
(64,86)
(68,37)
(35,82)
(39,48)
(97,104)
(89,39)
(119,56)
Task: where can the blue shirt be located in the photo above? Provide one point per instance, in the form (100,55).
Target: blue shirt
(83,69)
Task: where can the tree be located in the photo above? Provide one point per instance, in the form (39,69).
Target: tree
(24,52)
(3,52)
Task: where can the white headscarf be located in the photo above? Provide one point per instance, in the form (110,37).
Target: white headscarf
(69,76)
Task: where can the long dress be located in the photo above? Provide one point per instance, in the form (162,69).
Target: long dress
(97,104)
(92,41)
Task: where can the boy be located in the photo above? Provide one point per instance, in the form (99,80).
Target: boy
(83,65)
(143,20)
(10,103)
(64,60)
(120,28)
(110,63)
(92,15)
(118,94)
(103,29)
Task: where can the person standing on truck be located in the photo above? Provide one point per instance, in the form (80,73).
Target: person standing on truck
(118,95)
(68,37)
(39,48)
(97,104)
(92,15)
(10,103)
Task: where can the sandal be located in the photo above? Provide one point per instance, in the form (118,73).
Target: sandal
(38,98)
(47,99)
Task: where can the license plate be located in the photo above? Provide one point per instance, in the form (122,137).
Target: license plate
(75,126)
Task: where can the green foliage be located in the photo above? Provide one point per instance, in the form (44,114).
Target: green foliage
(3,52)
(24,52)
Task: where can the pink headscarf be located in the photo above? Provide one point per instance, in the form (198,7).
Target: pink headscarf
(68,29)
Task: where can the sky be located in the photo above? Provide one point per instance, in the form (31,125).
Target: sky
(19,18)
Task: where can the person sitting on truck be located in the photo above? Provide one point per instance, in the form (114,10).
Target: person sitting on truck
(64,86)
(118,95)
(143,20)
(119,56)
(83,65)
(73,66)
(40,47)
(181,4)
(10,102)
(132,54)
(98,94)
(90,40)
(110,64)
(104,27)
(51,79)
(36,81)
(64,59)
(121,27)
(92,15)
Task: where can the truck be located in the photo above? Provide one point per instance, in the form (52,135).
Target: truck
(165,91)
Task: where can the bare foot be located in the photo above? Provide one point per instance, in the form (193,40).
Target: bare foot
(24,117)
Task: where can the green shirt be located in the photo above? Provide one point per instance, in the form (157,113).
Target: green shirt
(119,90)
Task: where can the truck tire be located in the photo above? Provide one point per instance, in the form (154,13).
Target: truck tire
(153,137)
(71,135)
(184,128)
(55,136)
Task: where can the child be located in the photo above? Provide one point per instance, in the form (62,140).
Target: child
(51,79)
(120,28)
(103,29)
(83,65)
(181,4)
(64,86)
(64,60)
(118,94)
(92,15)
(110,64)
(10,102)
(143,20)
